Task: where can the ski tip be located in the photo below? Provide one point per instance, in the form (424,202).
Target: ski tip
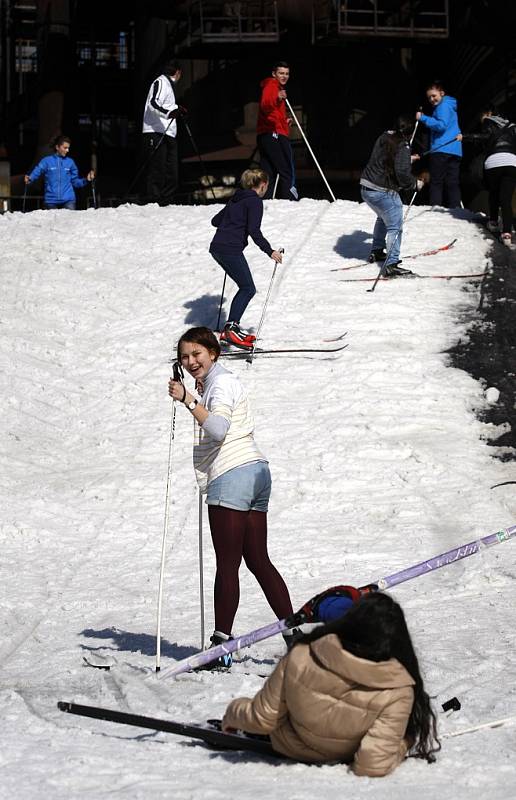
(62,706)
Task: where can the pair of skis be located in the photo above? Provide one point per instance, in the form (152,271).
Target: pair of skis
(211,732)
(246,353)
(405,258)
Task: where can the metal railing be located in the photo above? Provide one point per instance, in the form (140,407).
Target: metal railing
(228,22)
(423,19)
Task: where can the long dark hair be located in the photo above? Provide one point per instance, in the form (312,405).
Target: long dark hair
(200,335)
(401,133)
(375,629)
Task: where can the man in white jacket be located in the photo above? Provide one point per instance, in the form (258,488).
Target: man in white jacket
(159,136)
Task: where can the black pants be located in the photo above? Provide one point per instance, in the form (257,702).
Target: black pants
(276,159)
(444,180)
(501,182)
(162,172)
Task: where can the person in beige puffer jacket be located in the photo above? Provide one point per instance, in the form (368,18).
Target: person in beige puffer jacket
(351,691)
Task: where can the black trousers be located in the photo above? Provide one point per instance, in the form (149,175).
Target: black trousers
(162,170)
(276,159)
(444,179)
(501,182)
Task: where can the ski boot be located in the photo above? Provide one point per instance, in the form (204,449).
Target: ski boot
(377,255)
(234,335)
(395,271)
(223,662)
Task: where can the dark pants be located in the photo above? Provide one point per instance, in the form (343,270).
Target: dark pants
(70,205)
(444,180)
(238,270)
(276,159)
(160,152)
(501,182)
(237,535)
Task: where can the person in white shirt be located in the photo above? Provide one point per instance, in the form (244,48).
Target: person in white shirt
(235,475)
(160,136)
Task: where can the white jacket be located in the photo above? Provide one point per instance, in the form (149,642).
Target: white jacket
(161,100)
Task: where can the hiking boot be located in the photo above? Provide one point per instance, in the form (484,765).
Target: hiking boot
(377,255)
(506,239)
(291,637)
(395,271)
(233,334)
(224,661)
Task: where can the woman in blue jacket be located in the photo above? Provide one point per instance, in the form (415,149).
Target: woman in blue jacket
(240,218)
(61,176)
(446,150)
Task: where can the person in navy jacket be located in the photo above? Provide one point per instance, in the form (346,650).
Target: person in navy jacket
(239,219)
(446,149)
(61,176)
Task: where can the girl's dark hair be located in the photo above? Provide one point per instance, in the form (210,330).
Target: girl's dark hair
(60,140)
(375,629)
(200,335)
(401,133)
(439,85)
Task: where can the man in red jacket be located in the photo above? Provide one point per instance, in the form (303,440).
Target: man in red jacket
(272,134)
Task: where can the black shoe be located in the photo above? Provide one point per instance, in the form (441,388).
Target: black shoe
(394,271)
(222,663)
(291,637)
(377,255)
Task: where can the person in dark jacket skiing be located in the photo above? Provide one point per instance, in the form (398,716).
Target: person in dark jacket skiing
(238,220)
(61,176)
(272,134)
(388,172)
(498,138)
(446,149)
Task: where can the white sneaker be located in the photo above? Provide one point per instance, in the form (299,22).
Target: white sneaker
(506,239)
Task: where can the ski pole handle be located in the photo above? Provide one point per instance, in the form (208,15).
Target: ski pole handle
(177,371)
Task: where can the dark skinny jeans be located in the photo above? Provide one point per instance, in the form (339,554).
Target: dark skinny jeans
(238,270)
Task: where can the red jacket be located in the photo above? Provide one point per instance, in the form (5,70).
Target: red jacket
(272,113)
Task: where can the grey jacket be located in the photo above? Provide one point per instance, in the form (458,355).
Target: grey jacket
(376,174)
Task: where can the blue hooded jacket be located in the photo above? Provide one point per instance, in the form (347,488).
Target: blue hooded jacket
(61,176)
(444,126)
(240,218)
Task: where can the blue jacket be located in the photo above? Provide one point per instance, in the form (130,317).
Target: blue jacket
(61,175)
(443,126)
(240,218)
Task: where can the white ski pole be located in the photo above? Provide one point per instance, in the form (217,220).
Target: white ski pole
(177,377)
(250,357)
(495,724)
(275,186)
(201,571)
(309,148)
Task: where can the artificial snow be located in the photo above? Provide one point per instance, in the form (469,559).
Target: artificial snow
(378,460)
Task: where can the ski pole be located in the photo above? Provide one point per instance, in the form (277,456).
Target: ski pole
(201,571)
(414,132)
(309,148)
(494,724)
(178,376)
(24,197)
(250,357)
(194,145)
(93,193)
(393,243)
(275,186)
(221,301)
(301,616)
(435,149)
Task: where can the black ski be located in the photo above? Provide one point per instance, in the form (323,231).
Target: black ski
(262,351)
(414,275)
(210,733)
(405,258)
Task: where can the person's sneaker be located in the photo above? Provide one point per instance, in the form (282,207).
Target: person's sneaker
(377,255)
(395,271)
(291,637)
(506,239)
(223,662)
(233,334)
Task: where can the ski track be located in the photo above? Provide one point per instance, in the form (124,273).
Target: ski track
(378,461)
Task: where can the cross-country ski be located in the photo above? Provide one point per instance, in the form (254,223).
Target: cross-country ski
(405,258)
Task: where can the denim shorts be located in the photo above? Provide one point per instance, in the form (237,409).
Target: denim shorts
(245,488)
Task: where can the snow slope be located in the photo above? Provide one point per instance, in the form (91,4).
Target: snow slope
(378,461)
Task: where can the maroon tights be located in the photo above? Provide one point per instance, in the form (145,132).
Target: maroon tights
(236,534)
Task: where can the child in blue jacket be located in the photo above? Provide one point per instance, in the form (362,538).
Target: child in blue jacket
(445,158)
(239,219)
(61,176)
